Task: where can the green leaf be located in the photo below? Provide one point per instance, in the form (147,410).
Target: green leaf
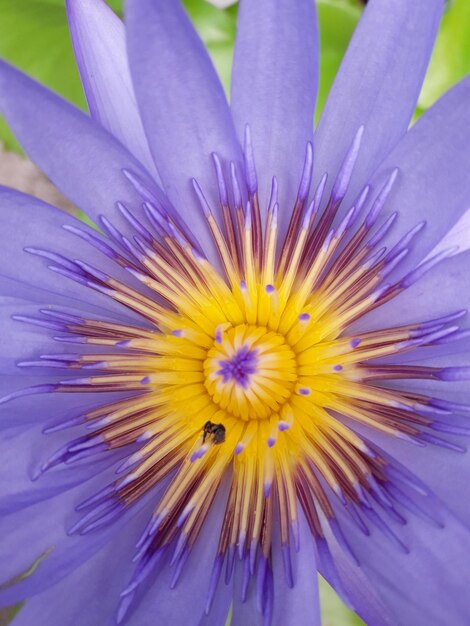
(7,614)
(217,28)
(337,21)
(34,36)
(450,61)
(116,5)
(334,612)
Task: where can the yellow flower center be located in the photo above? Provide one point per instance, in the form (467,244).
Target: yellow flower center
(250,372)
(247,372)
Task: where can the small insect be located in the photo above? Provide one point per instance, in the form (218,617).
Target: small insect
(216,430)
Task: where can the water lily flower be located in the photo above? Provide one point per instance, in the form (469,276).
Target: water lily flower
(255,368)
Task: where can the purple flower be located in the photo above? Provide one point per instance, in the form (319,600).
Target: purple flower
(256,368)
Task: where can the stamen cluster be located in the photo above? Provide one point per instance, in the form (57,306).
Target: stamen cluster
(247,371)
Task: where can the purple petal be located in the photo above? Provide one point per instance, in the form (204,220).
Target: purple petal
(34,530)
(445,471)
(378,84)
(79,156)
(458,235)
(363,598)
(22,340)
(426,586)
(247,611)
(296,606)
(433,161)
(90,594)
(220,606)
(29,224)
(274,88)
(40,530)
(299,606)
(23,452)
(100,48)
(440,292)
(185,604)
(182,103)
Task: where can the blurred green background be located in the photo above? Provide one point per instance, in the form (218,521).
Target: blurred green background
(34,36)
